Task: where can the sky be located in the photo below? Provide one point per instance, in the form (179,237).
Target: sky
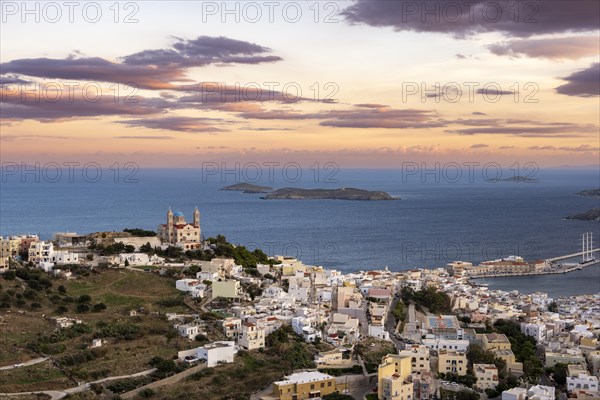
(361,83)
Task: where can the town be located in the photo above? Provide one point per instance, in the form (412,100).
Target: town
(169,314)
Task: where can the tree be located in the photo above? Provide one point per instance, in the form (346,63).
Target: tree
(9,275)
(61,310)
(146,248)
(99,307)
(84,298)
(83,308)
(62,289)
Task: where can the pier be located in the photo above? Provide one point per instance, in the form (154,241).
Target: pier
(565,257)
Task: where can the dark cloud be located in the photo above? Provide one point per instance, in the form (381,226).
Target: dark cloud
(462,19)
(149,69)
(214,92)
(145,137)
(202,51)
(479,146)
(584,148)
(524,128)
(478,113)
(583,83)
(179,124)
(552,48)
(9,80)
(371,116)
(60,106)
(493,92)
(371,105)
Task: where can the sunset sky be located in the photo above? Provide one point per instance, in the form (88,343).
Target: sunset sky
(369,59)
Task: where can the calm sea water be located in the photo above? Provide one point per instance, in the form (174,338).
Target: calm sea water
(434,223)
(583,281)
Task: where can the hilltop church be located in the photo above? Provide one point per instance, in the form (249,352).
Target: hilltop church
(179,233)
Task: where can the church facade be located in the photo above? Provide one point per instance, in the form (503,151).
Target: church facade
(178,232)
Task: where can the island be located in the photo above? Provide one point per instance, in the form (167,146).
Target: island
(517,178)
(248,188)
(590,193)
(591,215)
(328,194)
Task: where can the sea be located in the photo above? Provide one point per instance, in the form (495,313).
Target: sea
(439,218)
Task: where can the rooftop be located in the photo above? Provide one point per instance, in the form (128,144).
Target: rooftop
(304,377)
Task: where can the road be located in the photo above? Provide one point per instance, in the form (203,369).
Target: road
(25,364)
(391,325)
(59,394)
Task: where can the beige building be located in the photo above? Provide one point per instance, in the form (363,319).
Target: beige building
(178,232)
(228,289)
(487,376)
(41,252)
(454,362)
(303,385)
(493,341)
(252,337)
(419,358)
(9,246)
(566,356)
(232,327)
(394,378)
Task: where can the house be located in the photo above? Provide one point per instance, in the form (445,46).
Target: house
(515,394)
(564,356)
(134,259)
(191,286)
(232,327)
(580,381)
(487,376)
(228,289)
(305,327)
(540,392)
(213,353)
(537,330)
(303,385)
(217,352)
(394,378)
(188,330)
(452,361)
(334,357)
(64,322)
(253,337)
(207,276)
(419,356)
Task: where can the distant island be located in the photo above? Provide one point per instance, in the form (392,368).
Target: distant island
(517,178)
(590,193)
(248,188)
(591,215)
(328,194)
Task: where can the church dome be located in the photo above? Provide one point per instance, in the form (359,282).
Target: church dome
(178,214)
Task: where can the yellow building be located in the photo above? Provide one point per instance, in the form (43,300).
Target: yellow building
(180,233)
(229,289)
(9,246)
(487,376)
(454,362)
(495,341)
(394,378)
(419,355)
(303,385)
